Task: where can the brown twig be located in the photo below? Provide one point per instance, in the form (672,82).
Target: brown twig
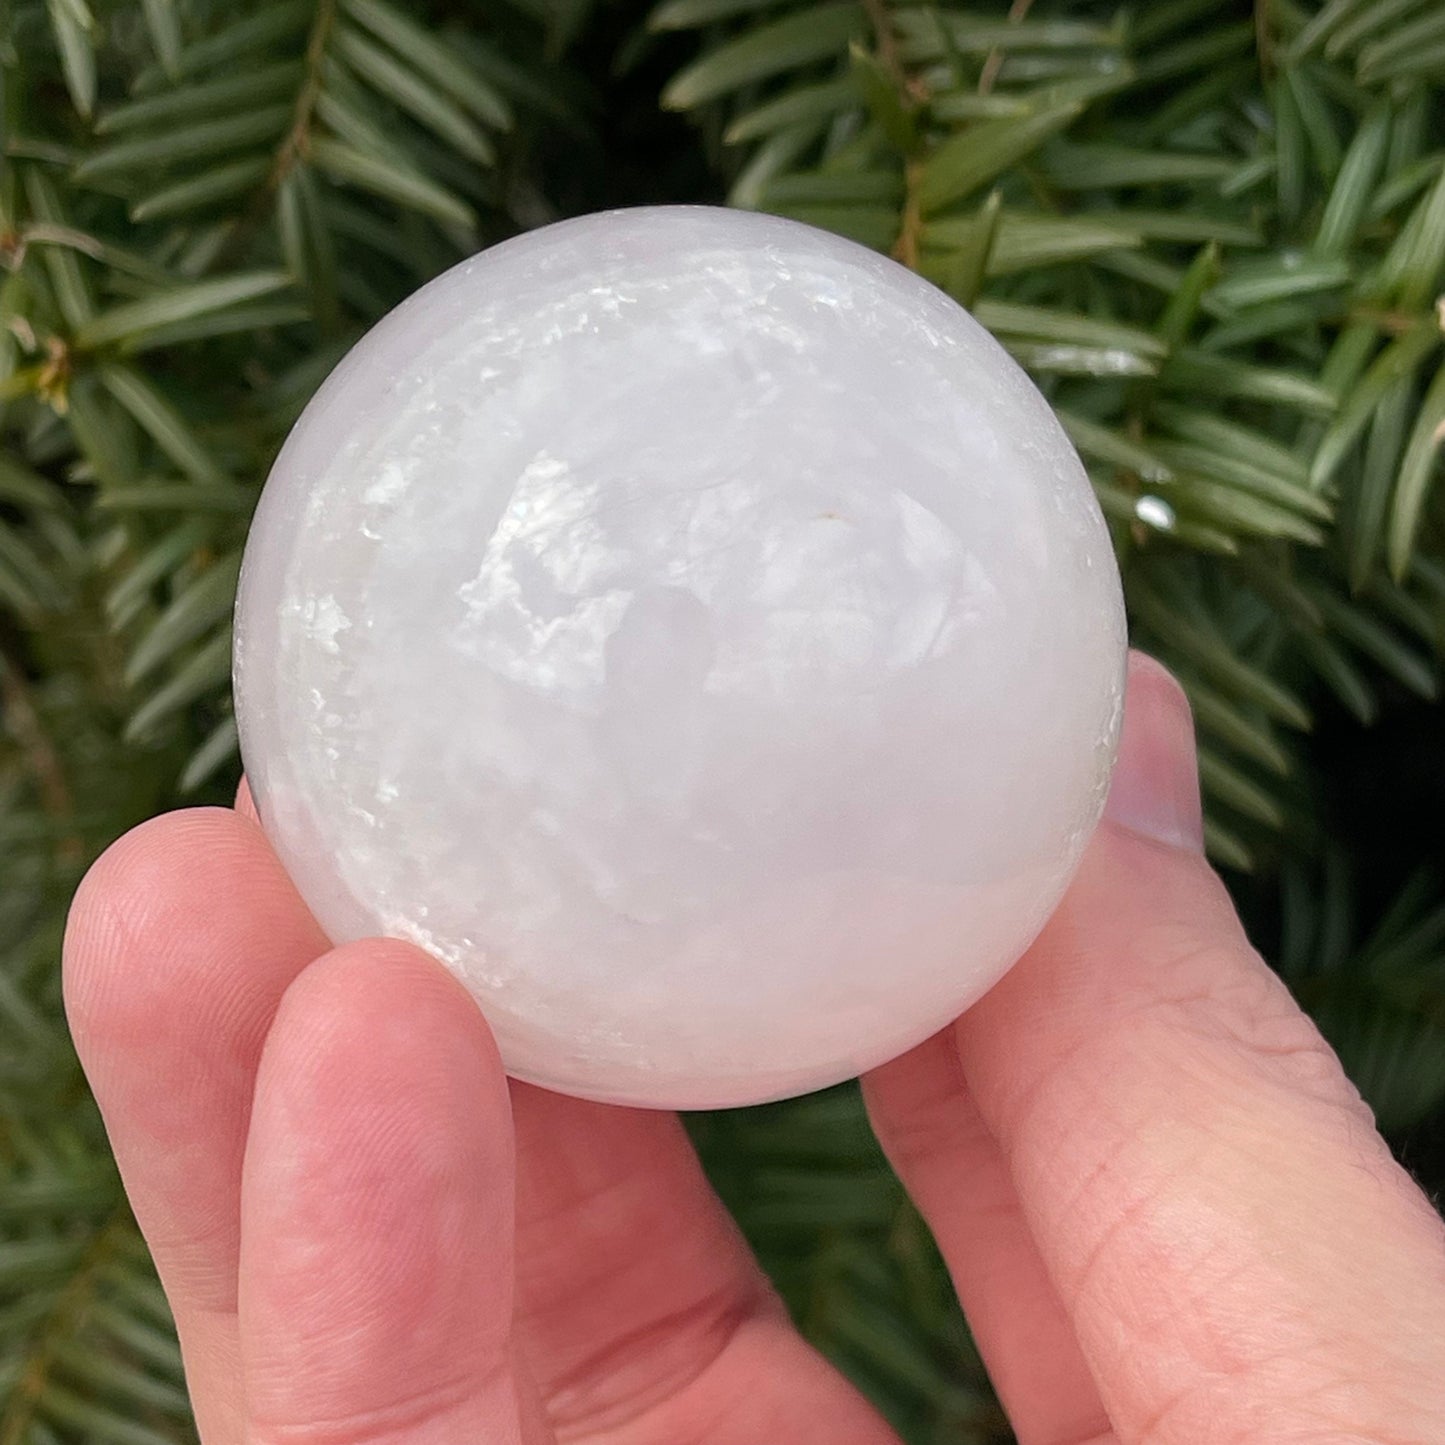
(23,720)
(993,62)
(298,137)
(891,60)
(906,247)
(297,141)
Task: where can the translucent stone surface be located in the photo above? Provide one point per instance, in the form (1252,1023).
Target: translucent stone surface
(697,632)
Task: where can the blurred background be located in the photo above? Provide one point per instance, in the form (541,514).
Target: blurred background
(1215,235)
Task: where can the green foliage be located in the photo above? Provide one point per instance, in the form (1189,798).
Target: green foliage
(1215,237)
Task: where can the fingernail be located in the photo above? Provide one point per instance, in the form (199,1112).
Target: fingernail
(1155,789)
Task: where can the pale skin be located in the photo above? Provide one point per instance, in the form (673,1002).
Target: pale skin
(1169,1217)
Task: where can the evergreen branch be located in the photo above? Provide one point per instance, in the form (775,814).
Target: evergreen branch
(295,146)
(993,62)
(882,22)
(23,720)
(56,1328)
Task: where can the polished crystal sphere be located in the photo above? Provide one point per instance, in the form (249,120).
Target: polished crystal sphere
(696,632)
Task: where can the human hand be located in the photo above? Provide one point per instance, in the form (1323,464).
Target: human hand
(1168,1215)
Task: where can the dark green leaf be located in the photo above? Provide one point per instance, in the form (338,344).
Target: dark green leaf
(23,487)
(1259,283)
(769,49)
(1315,116)
(1399,359)
(1352,624)
(1365,20)
(1038,323)
(848,188)
(203,100)
(176,497)
(873,226)
(1226,847)
(1364,522)
(1355,184)
(189,142)
(969,264)
(415,95)
(885,103)
(772,158)
(212,755)
(250,319)
(1246,474)
(427,53)
(1340,675)
(1231,439)
(1220,376)
(380,177)
(162,559)
(202,190)
(101,444)
(1237,728)
(1324,23)
(100,1373)
(73,25)
(1182,309)
(165,425)
(1418,470)
(308,240)
(1239,511)
(164,24)
(27,584)
(1092,167)
(180,303)
(205,672)
(692,14)
(1291,154)
(981,153)
(101,1424)
(1238,790)
(67,277)
(198,608)
(803,103)
(1393,54)
(1105,445)
(1413,268)
(138,1337)
(236,44)
(928,32)
(1213,656)
(1192,227)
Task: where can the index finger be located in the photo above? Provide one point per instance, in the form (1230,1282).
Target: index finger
(1236,1250)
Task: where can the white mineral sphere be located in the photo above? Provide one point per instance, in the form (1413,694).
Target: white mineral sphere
(698,633)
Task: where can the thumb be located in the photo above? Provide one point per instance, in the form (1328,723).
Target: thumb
(1238,1252)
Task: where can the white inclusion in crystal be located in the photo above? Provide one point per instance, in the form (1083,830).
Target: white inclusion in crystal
(384,491)
(538,609)
(322,620)
(390,484)
(610,300)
